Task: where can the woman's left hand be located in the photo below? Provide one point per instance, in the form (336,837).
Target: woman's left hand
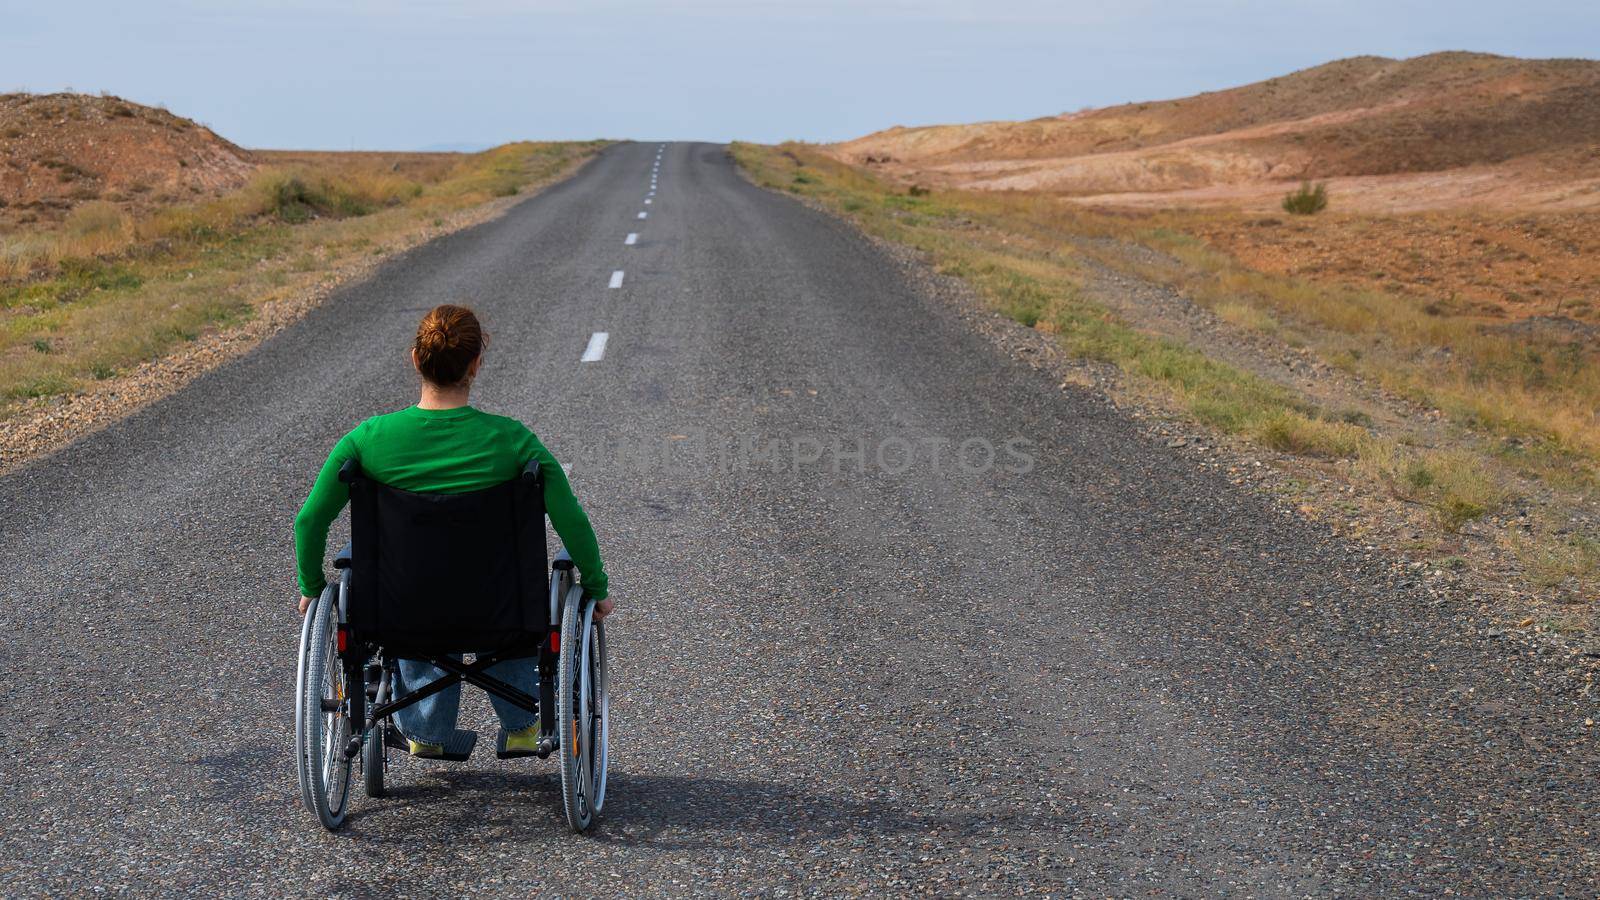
(305,602)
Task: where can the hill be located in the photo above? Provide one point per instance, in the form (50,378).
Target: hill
(1510,131)
(60,150)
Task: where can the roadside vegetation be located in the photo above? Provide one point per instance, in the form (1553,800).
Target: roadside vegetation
(1520,408)
(1307,201)
(105,291)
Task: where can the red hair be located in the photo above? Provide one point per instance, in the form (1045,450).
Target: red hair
(449,338)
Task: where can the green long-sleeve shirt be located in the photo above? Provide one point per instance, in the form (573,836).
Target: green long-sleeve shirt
(441,451)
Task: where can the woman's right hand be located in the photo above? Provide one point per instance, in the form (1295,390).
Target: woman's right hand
(602,608)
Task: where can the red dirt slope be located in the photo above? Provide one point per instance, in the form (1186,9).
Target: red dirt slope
(1507,131)
(58,150)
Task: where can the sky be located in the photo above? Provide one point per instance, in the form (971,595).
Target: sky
(418,74)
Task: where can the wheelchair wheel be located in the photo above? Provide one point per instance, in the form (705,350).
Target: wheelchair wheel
(374,758)
(582,711)
(321,724)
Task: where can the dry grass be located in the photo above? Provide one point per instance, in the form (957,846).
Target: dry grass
(1021,251)
(1458,485)
(90,230)
(1545,389)
(1569,565)
(102,293)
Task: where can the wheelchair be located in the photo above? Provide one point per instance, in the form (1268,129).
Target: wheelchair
(430,577)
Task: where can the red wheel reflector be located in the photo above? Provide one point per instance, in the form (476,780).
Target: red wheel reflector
(555,642)
(344,639)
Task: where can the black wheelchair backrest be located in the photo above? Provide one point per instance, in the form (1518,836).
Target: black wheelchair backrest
(448,573)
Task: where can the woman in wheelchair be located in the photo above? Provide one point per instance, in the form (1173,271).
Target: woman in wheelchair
(443,445)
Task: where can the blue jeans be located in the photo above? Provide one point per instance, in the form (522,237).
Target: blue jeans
(432,720)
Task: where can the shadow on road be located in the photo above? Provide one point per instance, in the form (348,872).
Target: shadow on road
(668,811)
(663,812)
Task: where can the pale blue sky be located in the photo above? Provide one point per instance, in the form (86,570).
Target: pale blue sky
(406,74)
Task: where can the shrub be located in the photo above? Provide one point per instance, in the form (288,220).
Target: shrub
(1308,200)
(294,197)
(286,197)
(917,190)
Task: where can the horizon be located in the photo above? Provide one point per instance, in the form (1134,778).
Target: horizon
(405,76)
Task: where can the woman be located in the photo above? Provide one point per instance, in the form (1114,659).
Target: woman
(444,446)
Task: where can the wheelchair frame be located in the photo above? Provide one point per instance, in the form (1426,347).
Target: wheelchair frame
(337,679)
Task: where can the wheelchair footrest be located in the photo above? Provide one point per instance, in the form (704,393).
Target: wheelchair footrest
(459,747)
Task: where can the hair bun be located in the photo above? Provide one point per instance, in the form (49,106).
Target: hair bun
(433,334)
(448,339)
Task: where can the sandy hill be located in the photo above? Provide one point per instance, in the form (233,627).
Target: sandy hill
(1507,130)
(59,150)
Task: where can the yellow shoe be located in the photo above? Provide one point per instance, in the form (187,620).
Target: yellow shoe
(519,743)
(423,750)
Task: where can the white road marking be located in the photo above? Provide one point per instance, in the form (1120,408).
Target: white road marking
(596,348)
(647,201)
(616,279)
(633,238)
(642,215)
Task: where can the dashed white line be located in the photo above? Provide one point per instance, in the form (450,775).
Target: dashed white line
(647,201)
(642,215)
(616,279)
(633,238)
(596,348)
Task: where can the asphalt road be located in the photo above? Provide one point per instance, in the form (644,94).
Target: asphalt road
(841,663)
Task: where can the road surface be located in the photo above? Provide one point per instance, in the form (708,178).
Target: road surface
(896,613)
